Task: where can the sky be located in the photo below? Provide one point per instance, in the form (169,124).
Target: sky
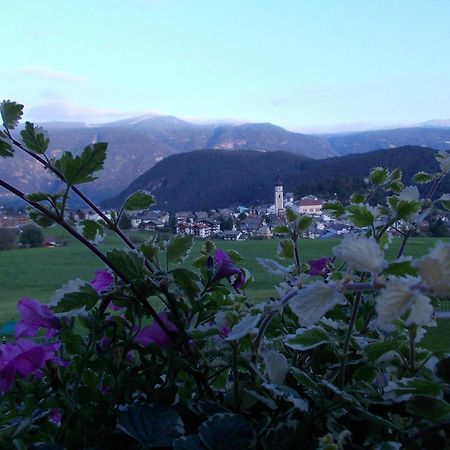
(313,65)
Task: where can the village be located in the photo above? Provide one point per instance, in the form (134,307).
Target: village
(233,223)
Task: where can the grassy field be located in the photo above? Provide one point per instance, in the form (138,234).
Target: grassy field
(37,273)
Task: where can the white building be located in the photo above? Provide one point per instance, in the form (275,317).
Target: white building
(279,201)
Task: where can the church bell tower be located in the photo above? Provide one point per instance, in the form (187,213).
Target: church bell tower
(279,202)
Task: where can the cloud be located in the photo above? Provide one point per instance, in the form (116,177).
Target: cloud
(73,112)
(47,73)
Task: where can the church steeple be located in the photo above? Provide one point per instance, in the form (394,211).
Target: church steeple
(279,201)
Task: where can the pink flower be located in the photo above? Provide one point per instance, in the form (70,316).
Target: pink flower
(24,358)
(153,334)
(226,269)
(34,315)
(102,281)
(318,266)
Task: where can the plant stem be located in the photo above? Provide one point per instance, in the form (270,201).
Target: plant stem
(412,350)
(348,338)
(236,376)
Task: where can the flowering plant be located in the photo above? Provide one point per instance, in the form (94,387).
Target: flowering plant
(333,362)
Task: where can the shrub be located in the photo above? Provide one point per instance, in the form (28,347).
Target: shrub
(31,236)
(334,361)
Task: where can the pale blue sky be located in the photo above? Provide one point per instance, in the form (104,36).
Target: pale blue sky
(299,64)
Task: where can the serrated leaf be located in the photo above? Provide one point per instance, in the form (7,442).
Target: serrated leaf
(6,151)
(227,432)
(187,281)
(130,263)
(445,204)
(360,216)
(286,249)
(291,216)
(11,113)
(335,208)
(307,338)
(406,208)
(38,196)
(92,230)
(179,247)
(208,248)
(34,138)
(39,218)
(357,198)
(396,175)
(396,186)
(303,222)
(378,175)
(80,169)
(151,425)
(423,177)
(139,200)
(86,297)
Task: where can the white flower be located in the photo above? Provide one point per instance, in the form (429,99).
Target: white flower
(361,253)
(409,193)
(444,161)
(314,301)
(434,269)
(398,297)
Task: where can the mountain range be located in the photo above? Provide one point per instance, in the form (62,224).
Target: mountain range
(138,144)
(208,179)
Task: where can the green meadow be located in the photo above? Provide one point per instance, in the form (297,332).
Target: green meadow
(37,273)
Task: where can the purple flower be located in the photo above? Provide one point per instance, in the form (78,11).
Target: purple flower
(34,315)
(318,266)
(55,416)
(24,358)
(226,269)
(102,281)
(153,334)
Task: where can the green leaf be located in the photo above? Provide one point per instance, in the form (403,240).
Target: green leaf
(130,263)
(81,169)
(303,222)
(396,186)
(445,204)
(11,113)
(208,248)
(38,196)
(357,198)
(179,247)
(360,216)
(396,175)
(286,249)
(151,425)
(6,150)
(139,200)
(291,216)
(281,229)
(187,281)
(39,218)
(406,208)
(307,338)
(227,432)
(378,176)
(376,350)
(406,388)
(423,177)
(91,229)
(304,379)
(335,208)
(400,269)
(431,408)
(34,138)
(235,256)
(86,297)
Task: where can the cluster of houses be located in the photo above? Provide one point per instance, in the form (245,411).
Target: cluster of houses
(238,223)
